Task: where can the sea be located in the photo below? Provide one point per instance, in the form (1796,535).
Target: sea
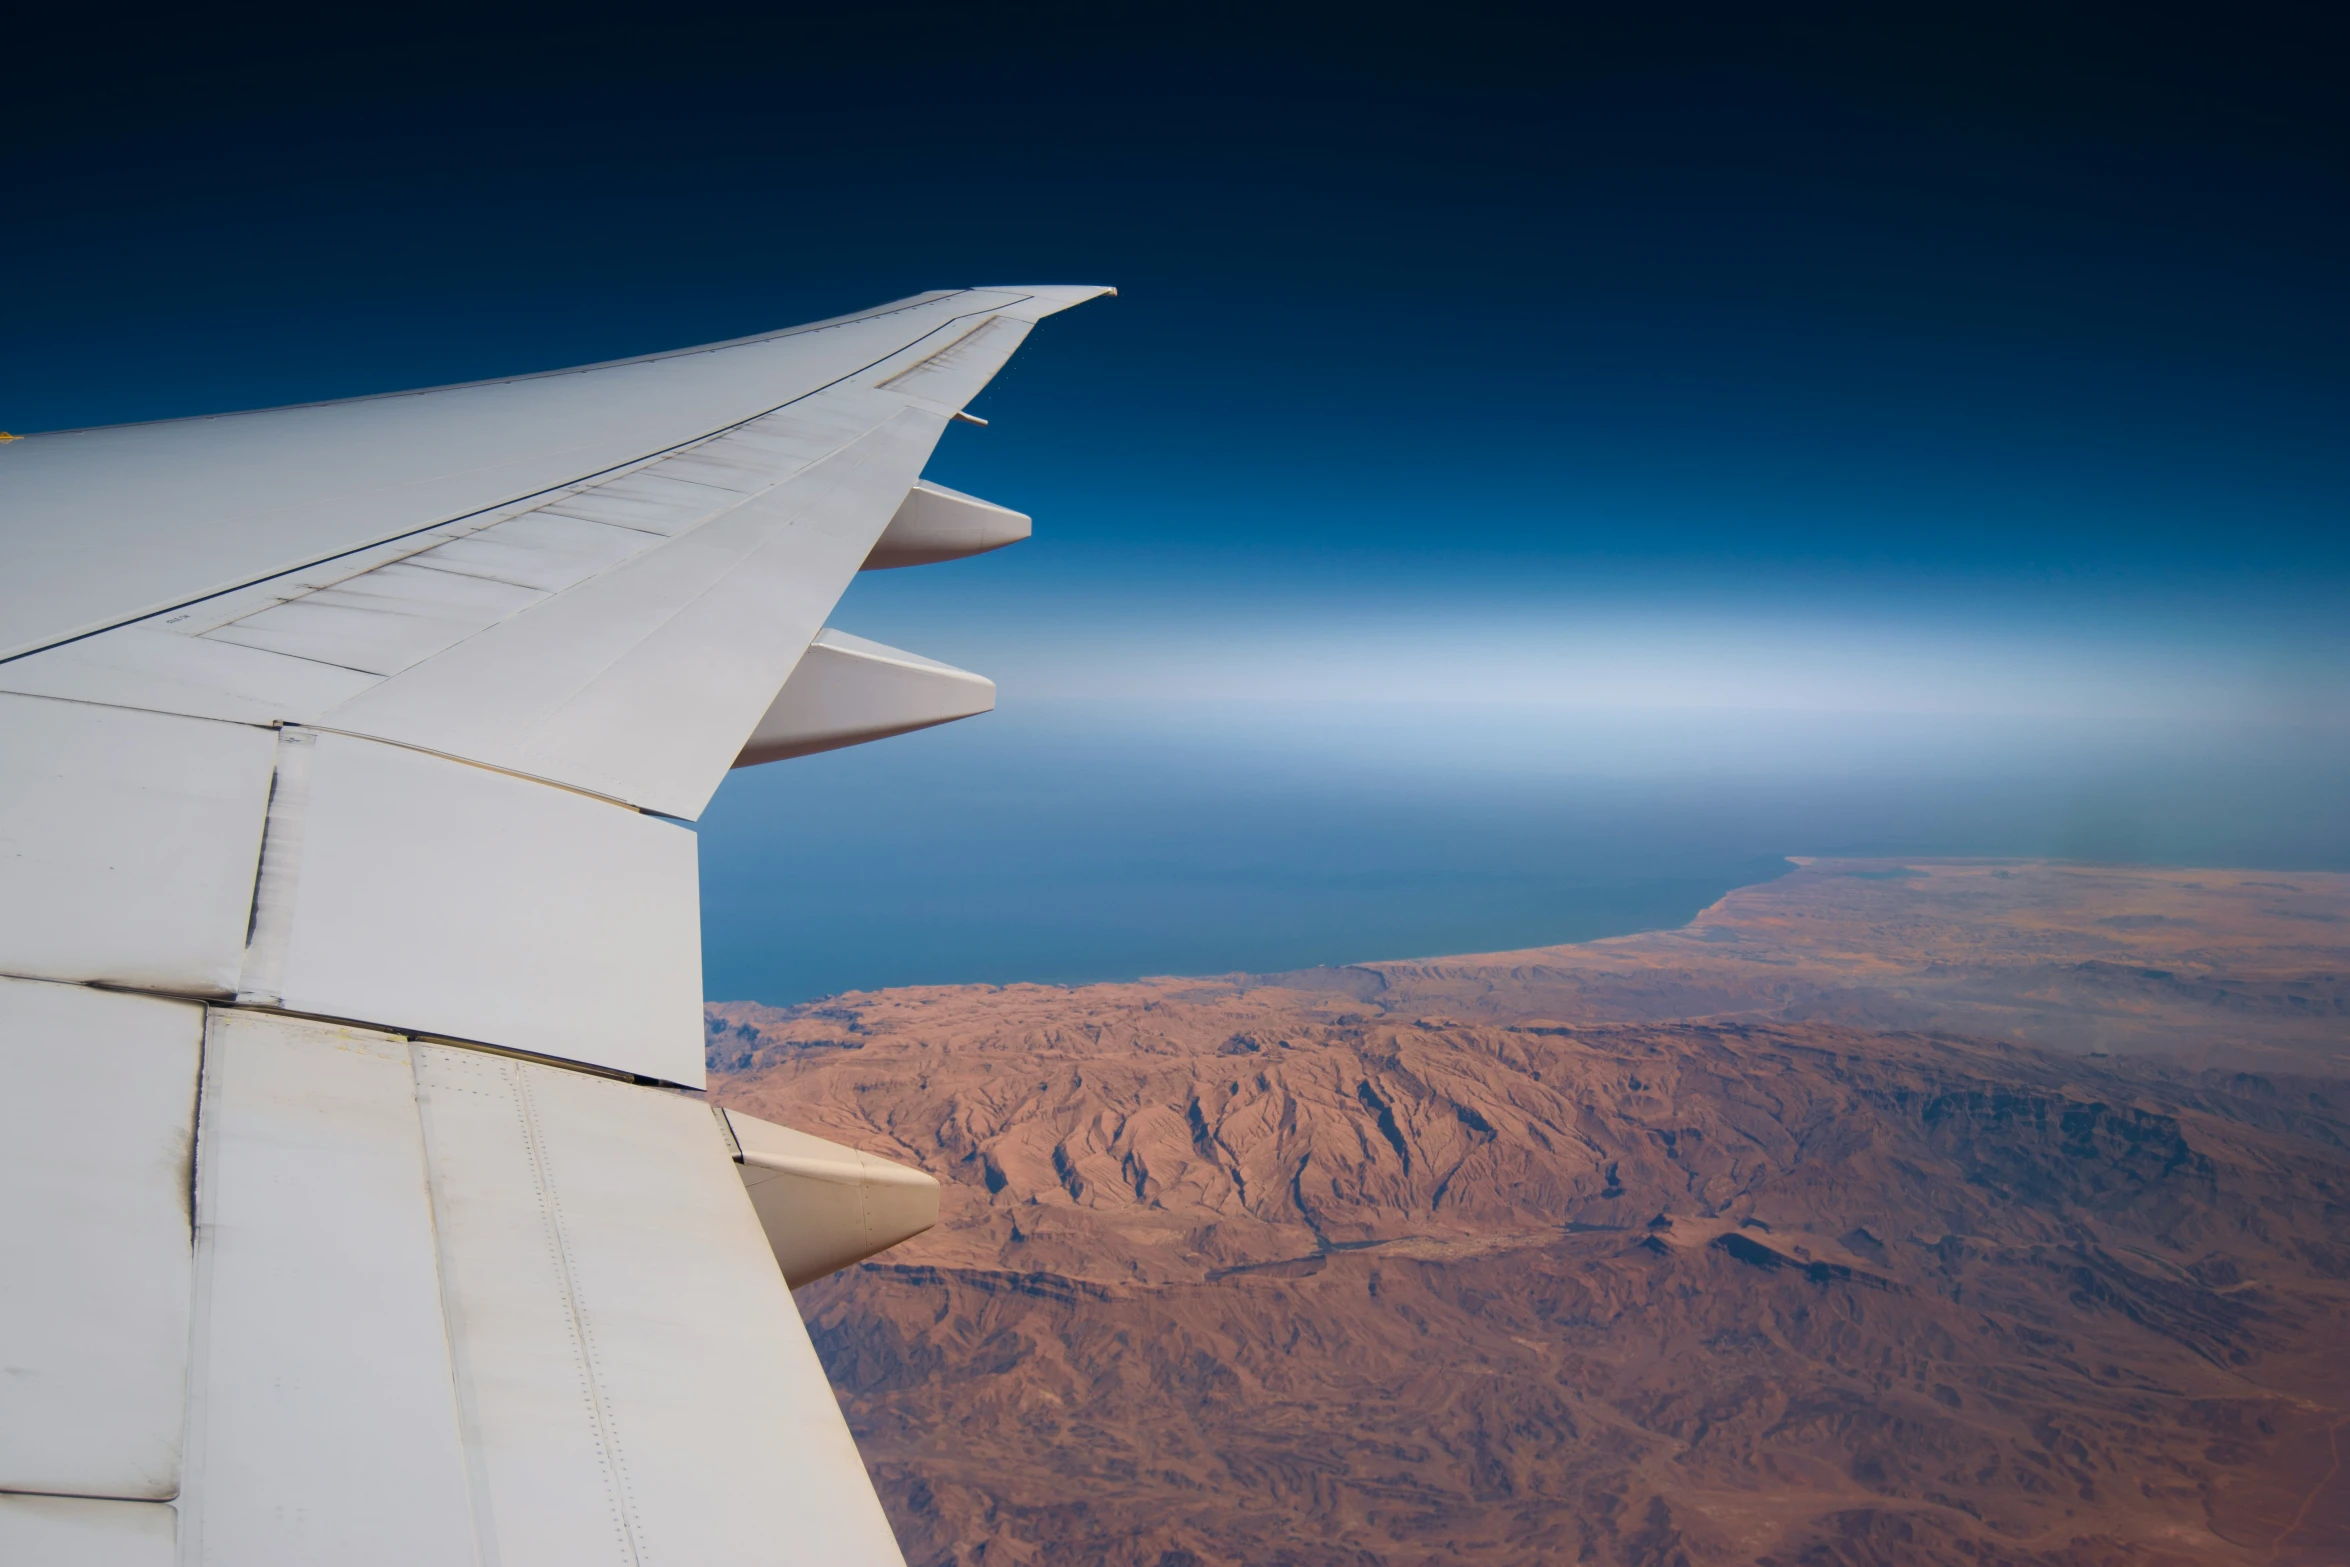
(1072,841)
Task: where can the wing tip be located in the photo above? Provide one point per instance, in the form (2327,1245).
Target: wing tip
(1049,298)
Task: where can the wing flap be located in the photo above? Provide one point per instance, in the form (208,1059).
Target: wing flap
(95,1125)
(420,893)
(641,1384)
(80,1531)
(315,1235)
(460,1307)
(127,845)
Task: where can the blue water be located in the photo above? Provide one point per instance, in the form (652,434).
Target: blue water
(1079,841)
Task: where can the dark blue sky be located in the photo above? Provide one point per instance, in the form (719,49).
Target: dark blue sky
(2056,294)
(1991,365)
(2053,293)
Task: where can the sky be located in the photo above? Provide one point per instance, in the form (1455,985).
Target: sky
(1542,466)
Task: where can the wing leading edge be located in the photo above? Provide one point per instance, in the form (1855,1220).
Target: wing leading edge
(345,757)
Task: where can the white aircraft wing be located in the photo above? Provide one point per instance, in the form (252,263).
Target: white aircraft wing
(361,1204)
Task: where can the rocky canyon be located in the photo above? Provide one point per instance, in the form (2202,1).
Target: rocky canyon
(1891,1212)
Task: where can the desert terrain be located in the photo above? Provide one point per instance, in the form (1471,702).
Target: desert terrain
(1890,1212)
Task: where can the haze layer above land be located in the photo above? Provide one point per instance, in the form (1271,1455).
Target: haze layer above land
(1889,1212)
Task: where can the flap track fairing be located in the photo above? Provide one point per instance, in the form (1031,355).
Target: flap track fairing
(935,523)
(847,691)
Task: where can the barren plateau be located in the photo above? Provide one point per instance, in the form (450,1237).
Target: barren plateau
(1890,1212)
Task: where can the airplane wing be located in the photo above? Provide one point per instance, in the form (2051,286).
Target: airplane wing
(362,1205)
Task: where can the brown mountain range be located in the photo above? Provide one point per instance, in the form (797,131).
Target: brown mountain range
(1888,1213)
